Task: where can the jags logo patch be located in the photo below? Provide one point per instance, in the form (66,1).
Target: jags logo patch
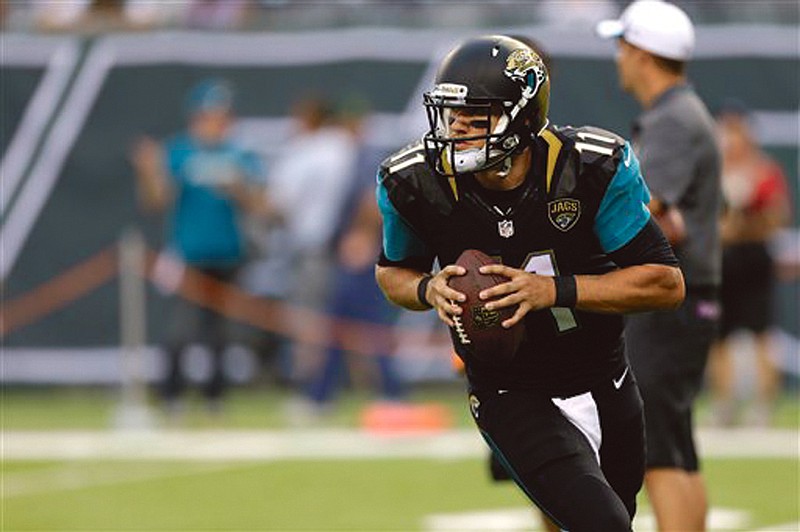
(564,213)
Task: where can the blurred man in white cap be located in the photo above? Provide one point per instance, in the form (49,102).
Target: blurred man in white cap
(675,141)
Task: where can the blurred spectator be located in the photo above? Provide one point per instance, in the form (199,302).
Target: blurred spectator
(5,14)
(145,14)
(309,183)
(96,16)
(676,143)
(86,16)
(755,191)
(217,14)
(355,294)
(291,14)
(205,182)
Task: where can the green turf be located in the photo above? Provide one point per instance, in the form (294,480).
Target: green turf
(294,495)
(390,494)
(316,495)
(769,489)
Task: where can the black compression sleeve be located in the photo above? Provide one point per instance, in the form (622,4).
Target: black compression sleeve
(649,246)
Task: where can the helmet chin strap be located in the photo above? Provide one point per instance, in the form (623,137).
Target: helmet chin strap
(505,167)
(474,160)
(468,160)
(522,141)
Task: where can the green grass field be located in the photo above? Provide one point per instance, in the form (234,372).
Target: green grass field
(316,495)
(388,493)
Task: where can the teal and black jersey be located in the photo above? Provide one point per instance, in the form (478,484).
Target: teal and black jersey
(205,226)
(583,200)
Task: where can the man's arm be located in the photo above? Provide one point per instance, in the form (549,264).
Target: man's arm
(400,285)
(632,289)
(147,159)
(406,261)
(649,277)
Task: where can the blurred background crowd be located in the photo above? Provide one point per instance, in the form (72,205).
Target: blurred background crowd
(288,15)
(249,164)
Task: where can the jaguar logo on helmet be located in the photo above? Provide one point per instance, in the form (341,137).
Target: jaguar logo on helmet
(525,66)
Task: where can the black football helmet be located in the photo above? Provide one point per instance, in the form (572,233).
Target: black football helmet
(494,76)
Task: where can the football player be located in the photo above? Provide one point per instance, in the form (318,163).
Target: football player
(564,209)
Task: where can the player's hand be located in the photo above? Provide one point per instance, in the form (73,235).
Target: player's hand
(527,290)
(443,298)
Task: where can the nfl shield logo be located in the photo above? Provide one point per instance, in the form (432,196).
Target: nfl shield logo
(505,228)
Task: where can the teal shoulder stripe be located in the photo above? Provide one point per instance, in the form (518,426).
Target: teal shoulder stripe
(399,240)
(623,211)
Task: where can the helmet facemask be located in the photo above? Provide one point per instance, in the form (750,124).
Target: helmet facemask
(492,142)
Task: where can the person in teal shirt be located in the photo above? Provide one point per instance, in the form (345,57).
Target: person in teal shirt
(203,180)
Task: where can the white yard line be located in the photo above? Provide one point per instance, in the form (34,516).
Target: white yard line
(78,476)
(788,527)
(237,445)
(225,445)
(525,519)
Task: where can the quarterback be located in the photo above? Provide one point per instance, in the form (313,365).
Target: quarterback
(564,211)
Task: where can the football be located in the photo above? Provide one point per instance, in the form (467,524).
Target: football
(477,329)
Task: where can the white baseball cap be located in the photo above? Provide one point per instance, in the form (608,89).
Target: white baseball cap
(655,26)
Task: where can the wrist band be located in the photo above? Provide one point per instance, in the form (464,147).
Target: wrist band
(566,291)
(422,288)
